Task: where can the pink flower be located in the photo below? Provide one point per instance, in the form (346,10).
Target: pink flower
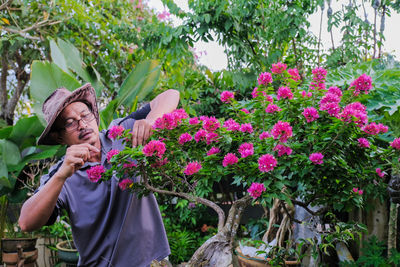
(211,137)
(246,127)
(304,94)
(95,172)
(355,190)
(316,158)
(129,165)
(163,16)
(193,121)
(170,120)
(311,114)
(115,131)
(372,128)
(155,147)
(396,143)
(210,124)
(362,83)
(355,112)
(317,86)
(363,142)
(125,184)
(283,130)
(333,109)
(264,135)
(231,125)
(227,96)
(111,153)
(319,74)
(380,173)
(284,92)
(271,108)
(192,168)
(265,78)
(269,99)
(201,134)
(245,110)
(267,163)
(213,150)
(335,90)
(256,93)
(256,190)
(278,68)
(330,98)
(383,128)
(246,149)
(294,74)
(185,137)
(282,150)
(229,159)
(360,192)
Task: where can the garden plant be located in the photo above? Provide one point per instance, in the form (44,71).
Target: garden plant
(286,145)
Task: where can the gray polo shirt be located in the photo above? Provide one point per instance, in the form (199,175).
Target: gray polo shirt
(110,227)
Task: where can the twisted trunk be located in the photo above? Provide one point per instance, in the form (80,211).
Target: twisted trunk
(217,251)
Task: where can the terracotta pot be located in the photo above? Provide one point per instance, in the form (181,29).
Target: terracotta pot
(27,259)
(11,244)
(246,261)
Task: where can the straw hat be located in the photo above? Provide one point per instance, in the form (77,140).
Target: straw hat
(61,98)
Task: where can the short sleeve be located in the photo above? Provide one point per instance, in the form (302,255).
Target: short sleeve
(43,180)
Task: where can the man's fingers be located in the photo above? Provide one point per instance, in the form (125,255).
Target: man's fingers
(140,134)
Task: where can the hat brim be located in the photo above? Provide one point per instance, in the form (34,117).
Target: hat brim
(86,94)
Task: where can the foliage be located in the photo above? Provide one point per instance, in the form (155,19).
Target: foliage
(345,166)
(382,102)
(186,226)
(373,254)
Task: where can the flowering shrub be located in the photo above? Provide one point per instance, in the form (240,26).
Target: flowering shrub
(318,144)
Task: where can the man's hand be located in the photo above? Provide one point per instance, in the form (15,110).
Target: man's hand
(142,129)
(75,157)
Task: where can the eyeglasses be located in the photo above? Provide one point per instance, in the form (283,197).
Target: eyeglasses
(74,124)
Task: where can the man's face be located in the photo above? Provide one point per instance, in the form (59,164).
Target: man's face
(78,125)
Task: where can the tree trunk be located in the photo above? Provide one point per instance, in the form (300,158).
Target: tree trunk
(217,251)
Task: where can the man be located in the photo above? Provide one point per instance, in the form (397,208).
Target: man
(110,227)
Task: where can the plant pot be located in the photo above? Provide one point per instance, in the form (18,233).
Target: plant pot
(246,261)
(68,255)
(11,245)
(19,251)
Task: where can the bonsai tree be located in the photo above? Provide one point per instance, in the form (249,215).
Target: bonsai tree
(285,145)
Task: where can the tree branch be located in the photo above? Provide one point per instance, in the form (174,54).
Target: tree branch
(24,33)
(6,4)
(22,79)
(3,82)
(218,210)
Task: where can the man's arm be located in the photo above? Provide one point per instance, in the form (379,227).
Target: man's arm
(165,102)
(37,210)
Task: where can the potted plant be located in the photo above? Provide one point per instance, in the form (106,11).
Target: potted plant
(289,145)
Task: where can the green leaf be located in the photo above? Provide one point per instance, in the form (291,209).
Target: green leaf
(5,132)
(74,62)
(4,182)
(46,78)
(10,152)
(25,128)
(139,82)
(58,57)
(107,114)
(3,169)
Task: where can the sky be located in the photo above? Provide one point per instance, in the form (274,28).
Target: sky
(212,54)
